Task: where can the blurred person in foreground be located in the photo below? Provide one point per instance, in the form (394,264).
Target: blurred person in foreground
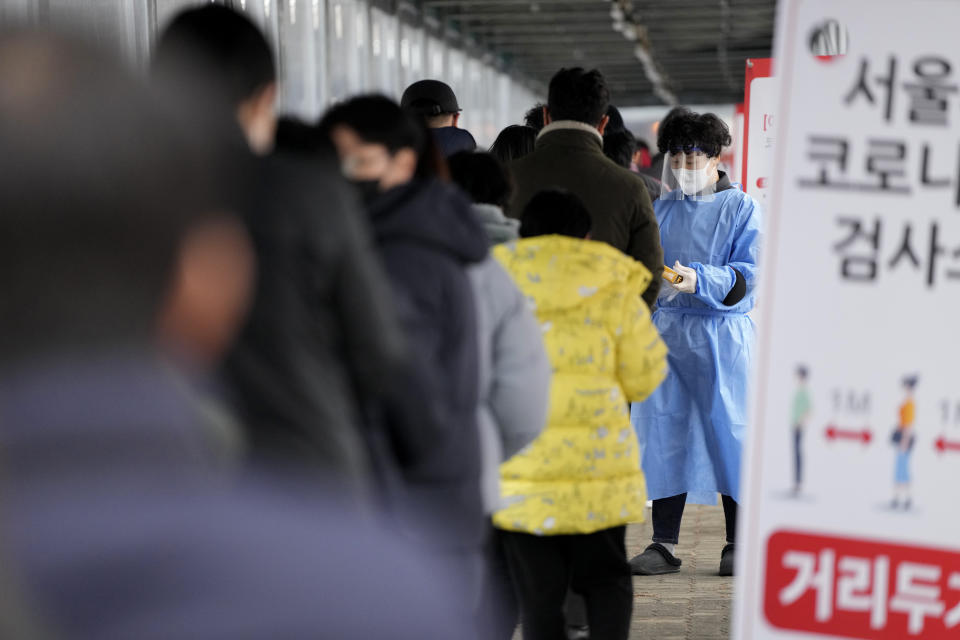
(428,238)
(570,495)
(486,181)
(513,143)
(692,428)
(320,346)
(436,103)
(112,522)
(569,155)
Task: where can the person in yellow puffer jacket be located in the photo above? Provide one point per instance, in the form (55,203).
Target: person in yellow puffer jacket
(571,492)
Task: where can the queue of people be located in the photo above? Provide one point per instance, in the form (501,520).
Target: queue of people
(351,378)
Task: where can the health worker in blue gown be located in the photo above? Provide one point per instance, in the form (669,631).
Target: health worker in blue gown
(691,429)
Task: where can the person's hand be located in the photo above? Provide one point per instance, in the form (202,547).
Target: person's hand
(689,282)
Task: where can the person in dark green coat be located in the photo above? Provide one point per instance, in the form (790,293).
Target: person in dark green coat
(569,155)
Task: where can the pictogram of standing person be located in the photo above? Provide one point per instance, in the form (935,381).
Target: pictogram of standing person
(903,439)
(799,414)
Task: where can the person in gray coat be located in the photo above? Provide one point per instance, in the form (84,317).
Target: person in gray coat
(514,367)
(514,373)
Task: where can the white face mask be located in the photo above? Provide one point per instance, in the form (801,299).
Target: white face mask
(691,181)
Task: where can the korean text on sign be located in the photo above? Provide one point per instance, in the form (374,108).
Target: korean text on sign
(861,588)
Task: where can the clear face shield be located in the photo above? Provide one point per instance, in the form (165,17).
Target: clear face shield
(689,174)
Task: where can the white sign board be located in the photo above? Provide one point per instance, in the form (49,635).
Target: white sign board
(861,291)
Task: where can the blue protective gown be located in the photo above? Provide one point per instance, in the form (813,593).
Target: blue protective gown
(691,429)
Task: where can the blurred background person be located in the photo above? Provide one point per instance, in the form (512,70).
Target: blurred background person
(486,181)
(620,146)
(641,156)
(514,142)
(570,495)
(114,524)
(614,119)
(692,428)
(437,104)
(427,237)
(320,344)
(533,118)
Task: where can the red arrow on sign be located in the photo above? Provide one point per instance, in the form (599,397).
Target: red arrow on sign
(835,433)
(943,445)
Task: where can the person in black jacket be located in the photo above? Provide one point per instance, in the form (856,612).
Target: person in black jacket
(427,236)
(321,340)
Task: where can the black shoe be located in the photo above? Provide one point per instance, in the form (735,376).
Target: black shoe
(726,560)
(578,633)
(654,561)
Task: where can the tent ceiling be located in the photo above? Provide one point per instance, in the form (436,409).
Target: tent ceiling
(699,46)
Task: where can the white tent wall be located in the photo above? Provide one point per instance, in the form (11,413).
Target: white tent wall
(326,50)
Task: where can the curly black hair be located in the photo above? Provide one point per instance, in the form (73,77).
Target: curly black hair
(684,130)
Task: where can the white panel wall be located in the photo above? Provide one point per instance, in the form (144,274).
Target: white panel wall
(303,56)
(326,51)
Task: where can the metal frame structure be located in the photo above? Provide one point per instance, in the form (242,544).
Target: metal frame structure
(653,51)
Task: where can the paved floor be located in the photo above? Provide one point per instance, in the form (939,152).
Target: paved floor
(693,604)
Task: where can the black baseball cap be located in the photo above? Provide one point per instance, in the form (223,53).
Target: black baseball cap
(430,98)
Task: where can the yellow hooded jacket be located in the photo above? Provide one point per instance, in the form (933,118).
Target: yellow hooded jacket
(582,474)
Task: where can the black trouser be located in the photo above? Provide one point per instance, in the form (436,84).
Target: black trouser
(667,513)
(594,565)
(498,612)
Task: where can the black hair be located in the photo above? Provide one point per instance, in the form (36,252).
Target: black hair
(684,130)
(379,120)
(615,122)
(514,142)
(533,118)
(619,146)
(555,211)
(219,49)
(294,136)
(576,94)
(910,382)
(103,177)
(802,371)
(641,143)
(482,176)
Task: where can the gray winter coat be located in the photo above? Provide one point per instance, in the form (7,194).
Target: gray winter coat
(514,373)
(498,226)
